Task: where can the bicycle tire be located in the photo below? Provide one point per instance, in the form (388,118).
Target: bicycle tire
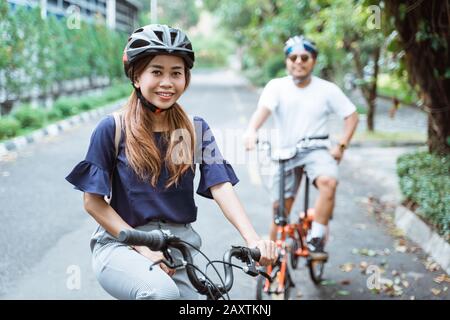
(292,256)
(285,295)
(316,270)
(260,281)
(288,284)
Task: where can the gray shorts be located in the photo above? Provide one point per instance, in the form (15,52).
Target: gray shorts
(125,274)
(316,163)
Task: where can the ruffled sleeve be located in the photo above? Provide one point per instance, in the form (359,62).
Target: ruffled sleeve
(93,174)
(214,169)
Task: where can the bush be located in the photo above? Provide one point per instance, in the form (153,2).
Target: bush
(66,106)
(84,104)
(9,127)
(54,114)
(425,180)
(29,117)
(97,101)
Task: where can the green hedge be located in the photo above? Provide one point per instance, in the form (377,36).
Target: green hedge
(9,127)
(27,118)
(425,180)
(50,52)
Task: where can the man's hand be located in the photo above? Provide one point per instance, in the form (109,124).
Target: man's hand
(250,137)
(154,256)
(337,153)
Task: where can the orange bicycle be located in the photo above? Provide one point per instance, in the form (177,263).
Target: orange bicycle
(290,240)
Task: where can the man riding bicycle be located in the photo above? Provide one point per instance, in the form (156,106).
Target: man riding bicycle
(301,103)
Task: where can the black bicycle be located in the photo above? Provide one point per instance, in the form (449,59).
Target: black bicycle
(159,240)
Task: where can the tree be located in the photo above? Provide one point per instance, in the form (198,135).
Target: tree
(176,13)
(423,36)
(349,32)
(11,58)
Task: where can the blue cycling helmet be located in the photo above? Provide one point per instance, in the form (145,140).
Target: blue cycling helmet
(300,43)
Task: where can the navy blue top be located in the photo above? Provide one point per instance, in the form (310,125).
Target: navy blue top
(136,201)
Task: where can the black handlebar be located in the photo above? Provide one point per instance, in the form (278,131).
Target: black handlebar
(155,240)
(158,240)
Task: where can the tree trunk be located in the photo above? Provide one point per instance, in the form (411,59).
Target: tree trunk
(6,107)
(369,90)
(424,34)
(371,116)
(373,92)
(438,129)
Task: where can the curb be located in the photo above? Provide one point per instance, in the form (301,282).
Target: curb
(56,128)
(415,229)
(386,144)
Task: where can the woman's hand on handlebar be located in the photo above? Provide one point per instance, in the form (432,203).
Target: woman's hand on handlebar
(268,250)
(154,256)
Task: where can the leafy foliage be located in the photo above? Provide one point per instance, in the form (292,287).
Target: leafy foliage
(425,180)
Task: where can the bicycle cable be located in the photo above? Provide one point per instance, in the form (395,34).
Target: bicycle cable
(207,259)
(209,281)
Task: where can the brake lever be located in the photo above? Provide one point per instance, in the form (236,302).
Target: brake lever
(251,268)
(168,264)
(169,261)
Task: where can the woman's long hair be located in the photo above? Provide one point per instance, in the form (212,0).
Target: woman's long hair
(141,150)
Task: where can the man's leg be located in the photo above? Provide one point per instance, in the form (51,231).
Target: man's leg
(325,201)
(323,211)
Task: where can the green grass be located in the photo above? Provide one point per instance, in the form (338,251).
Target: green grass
(390,136)
(390,86)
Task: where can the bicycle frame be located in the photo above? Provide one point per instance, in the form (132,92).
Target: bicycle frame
(295,231)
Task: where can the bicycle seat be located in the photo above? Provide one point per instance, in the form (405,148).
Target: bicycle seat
(284,154)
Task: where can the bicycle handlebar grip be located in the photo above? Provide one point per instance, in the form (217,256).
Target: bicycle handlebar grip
(255,254)
(155,239)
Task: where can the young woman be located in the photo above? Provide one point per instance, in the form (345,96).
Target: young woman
(152,176)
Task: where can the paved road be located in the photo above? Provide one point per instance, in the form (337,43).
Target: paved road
(44,234)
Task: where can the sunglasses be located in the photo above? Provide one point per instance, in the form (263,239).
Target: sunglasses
(303,57)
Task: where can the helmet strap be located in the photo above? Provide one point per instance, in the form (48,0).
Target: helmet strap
(147,104)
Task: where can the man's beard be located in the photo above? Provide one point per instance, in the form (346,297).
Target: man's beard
(302,79)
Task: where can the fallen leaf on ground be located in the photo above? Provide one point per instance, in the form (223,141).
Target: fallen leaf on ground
(365,252)
(343,293)
(386,282)
(435,291)
(328,282)
(345,282)
(431,266)
(395,232)
(363,266)
(401,249)
(347,267)
(443,277)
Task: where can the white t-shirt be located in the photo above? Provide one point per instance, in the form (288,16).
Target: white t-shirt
(303,112)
